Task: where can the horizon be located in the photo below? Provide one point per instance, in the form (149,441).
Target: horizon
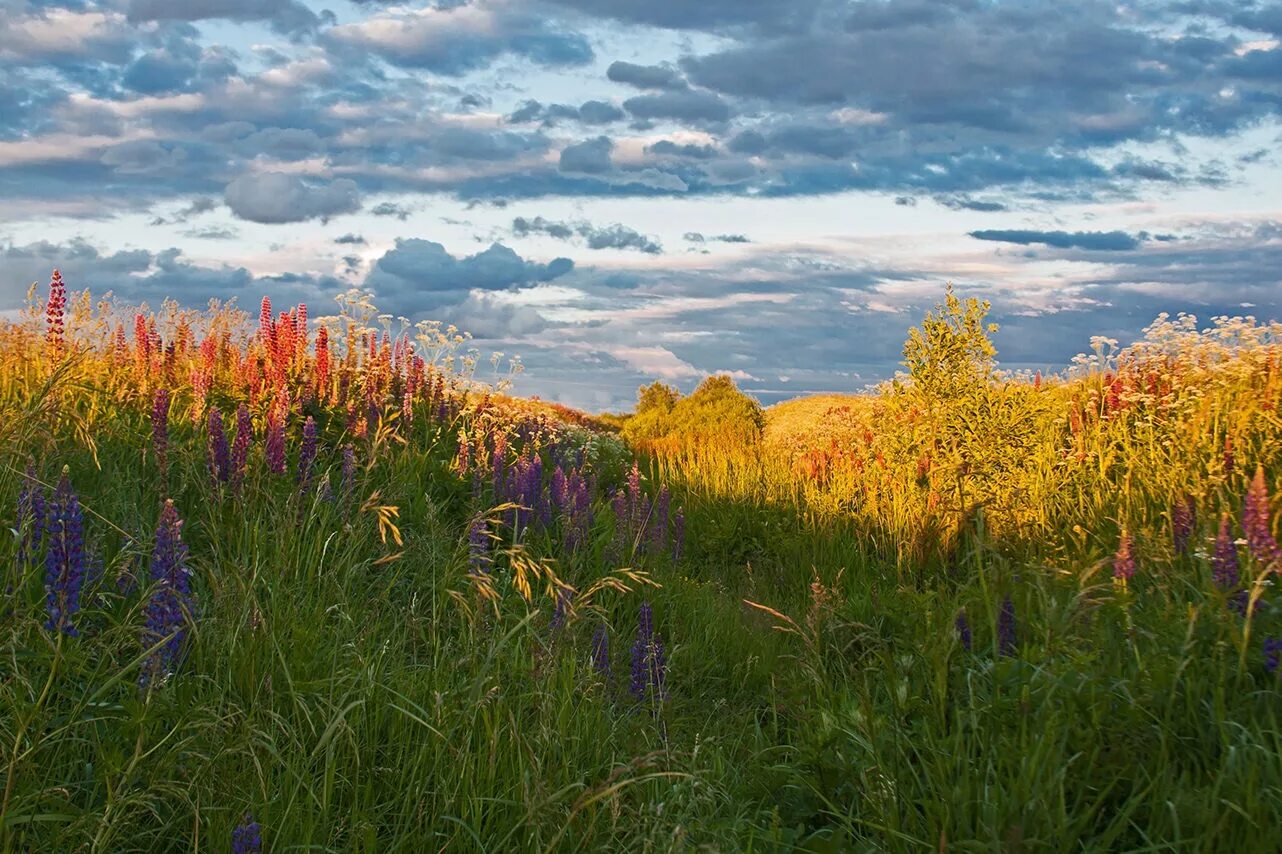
(621,192)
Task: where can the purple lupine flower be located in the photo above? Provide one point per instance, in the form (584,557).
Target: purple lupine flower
(1224,564)
(65,559)
(678,535)
(634,497)
(649,662)
(170,605)
(622,532)
(1273,655)
(274,445)
(31,516)
(348,470)
(160,428)
(219,451)
(240,448)
(373,416)
(307,455)
(1124,559)
(478,547)
(560,490)
(247,838)
(963,630)
(1256,522)
(498,463)
(1006,630)
(1183,520)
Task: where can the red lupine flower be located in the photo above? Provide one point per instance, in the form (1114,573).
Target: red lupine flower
(55,311)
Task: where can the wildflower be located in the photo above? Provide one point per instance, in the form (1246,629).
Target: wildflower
(1124,560)
(1006,632)
(1224,564)
(1273,655)
(171,600)
(247,838)
(65,558)
(601,652)
(1183,519)
(274,445)
(219,452)
(963,630)
(240,448)
(55,310)
(1256,521)
(307,455)
(160,428)
(649,663)
(31,515)
(564,597)
(659,532)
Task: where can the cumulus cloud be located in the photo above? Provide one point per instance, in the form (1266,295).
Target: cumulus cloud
(615,236)
(277,197)
(591,156)
(645,76)
(686,105)
(288,16)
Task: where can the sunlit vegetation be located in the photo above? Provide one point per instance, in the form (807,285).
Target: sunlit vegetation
(281,582)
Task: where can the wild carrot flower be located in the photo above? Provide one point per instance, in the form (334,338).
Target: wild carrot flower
(247,838)
(1183,519)
(219,451)
(1006,629)
(274,445)
(1224,563)
(1256,521)
(160,428)
(601,652)
(170,605)
(963,630)
(1124,560)
(240,448)
(307,455)
(65,558)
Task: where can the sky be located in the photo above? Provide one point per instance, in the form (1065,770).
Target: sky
(625,190)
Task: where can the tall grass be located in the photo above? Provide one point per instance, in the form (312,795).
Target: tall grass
(362,671)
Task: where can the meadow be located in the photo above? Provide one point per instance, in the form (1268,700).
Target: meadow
(286,584)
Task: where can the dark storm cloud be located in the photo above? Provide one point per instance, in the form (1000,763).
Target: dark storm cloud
(1108,241)
(615,236)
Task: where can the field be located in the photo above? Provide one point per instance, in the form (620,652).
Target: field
(285,584)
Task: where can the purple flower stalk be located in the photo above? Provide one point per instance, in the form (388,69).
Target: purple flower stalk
(247,838)
(1256,522)
(1224,565)
(31,516)
(963,630)
(65,559)
(240,448)
(601,652)
(307,455)
(274,446)
(1273,655)
(170,605)
(219,450)
(349,470)
(649,663)
(160,428)
(1006,631)
(564,597)
(1124,560)
(1183,520)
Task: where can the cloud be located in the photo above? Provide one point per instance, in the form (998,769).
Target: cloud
(350,239)
(646,76)
(590,156)
(454,40)
(1107,241)
(614,236)
(286,16)
(599,113)
(419,275)
(684,105)
(699,237)
(707,14)
(276,197)
(391,209)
